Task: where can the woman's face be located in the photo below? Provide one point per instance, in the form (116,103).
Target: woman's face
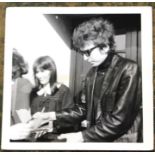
(43,76)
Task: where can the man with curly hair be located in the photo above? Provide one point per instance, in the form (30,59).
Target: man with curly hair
(109,106)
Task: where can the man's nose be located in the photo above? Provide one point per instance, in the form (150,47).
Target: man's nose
(85,58)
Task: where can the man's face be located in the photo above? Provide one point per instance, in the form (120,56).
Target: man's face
(95,55)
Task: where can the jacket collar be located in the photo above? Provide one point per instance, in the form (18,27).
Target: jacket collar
(44,91)
(48,90)
(105,64)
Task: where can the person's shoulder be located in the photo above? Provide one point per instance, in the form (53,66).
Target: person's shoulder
(61,86)
(128,65)
(127,61)
(24,84)
(23,80)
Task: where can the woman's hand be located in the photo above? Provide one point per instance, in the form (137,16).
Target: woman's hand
(51,116)
(42,115)
(19,131)
(72,137)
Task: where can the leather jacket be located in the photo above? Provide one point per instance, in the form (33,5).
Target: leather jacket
(118,112)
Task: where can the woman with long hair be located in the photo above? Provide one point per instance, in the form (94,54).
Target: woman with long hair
(48,95)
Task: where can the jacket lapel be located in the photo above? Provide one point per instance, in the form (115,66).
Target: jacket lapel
(109,74)
(91,86)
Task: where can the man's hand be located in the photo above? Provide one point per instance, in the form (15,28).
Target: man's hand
(72,137)
(19,131)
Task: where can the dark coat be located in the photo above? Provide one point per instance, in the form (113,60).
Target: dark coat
(119,104)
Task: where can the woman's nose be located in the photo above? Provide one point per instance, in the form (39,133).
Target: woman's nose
(38,75)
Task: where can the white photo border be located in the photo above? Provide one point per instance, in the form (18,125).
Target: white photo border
(147,82)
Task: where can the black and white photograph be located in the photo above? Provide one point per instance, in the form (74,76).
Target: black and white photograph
(78,78)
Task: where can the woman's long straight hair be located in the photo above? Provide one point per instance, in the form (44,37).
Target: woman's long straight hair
(45,63)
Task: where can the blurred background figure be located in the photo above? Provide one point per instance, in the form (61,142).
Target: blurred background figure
(21,88)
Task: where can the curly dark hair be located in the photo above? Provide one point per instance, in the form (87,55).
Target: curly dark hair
(19,65)
(98,30)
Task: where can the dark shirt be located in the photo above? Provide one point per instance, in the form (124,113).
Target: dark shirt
(60,100)
(96,95)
